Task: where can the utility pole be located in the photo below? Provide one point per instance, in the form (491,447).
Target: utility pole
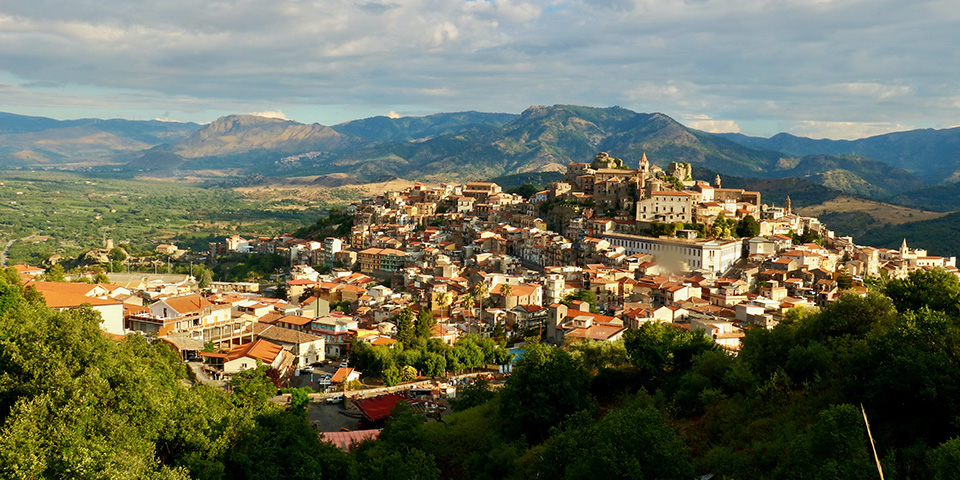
(872,445)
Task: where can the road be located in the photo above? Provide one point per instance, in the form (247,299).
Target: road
(3,256)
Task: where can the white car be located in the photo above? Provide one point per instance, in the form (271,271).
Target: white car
(335,399)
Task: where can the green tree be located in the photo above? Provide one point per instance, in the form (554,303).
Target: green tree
(473,395)
(56,274)
(546,387)
(423,329)
(252,387)
(299,400)
(836,447)
(748,227)
(659,349)
(635,439)
(935,289)
(404,322)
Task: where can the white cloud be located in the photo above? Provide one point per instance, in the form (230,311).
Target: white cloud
(393,114)
(845,130)
(277,114)
(850,65)
(713,126)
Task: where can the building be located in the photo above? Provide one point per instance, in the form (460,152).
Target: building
(715,255)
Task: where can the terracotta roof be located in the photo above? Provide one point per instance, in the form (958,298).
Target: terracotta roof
(342,374)
(187,303)
(295,320)
(259,349)
(283,335)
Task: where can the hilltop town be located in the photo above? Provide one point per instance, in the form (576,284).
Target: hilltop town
(607,249)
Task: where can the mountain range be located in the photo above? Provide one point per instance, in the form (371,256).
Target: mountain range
(469,145)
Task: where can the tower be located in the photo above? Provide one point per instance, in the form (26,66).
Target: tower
(716,182)
(644,167)
(903,249)
(788,206)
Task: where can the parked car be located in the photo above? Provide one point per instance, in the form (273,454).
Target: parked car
(343,364)
(335,399)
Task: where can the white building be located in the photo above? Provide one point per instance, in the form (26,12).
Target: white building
(679,254)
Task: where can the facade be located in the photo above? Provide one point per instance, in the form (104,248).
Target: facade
(682,255)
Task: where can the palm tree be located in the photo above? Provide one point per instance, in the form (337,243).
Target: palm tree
(468,302)
(505,290)
(479,290)
(444,300)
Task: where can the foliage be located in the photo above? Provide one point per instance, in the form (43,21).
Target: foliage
(474,395)
(635,442)
(251,387)
(76,210)
(547,386)
(935,289)
(584,296)
(748,227)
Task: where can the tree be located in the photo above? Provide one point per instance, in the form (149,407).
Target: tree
(658,349)
(505,290)
(56,274)
(836,447)
(443,300)
(473,395)
(299,400)
(480,290)
(404,322)
(468,302)
(635,439)
(252,387)
(748,227)
(425,322)
(547,386)
(935,289)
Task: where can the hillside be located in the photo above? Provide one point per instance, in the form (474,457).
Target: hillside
(441,147)
(383,129)
(933,155)
(938,235)
(235,134)
(943,198)
(44,142)
(851,174)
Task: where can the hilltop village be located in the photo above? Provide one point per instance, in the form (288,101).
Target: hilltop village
(605,250)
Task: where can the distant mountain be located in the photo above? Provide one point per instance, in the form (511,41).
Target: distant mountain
(383,129)
(547,139)
(774,191)
(38,141)
(238,134)
(941,198)
(447,146)
(851,174)
(933,155)
(938,236)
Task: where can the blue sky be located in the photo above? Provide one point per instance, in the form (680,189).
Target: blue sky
(834,69)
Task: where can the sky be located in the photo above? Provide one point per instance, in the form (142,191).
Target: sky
(819,68)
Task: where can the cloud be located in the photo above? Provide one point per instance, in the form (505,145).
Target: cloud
(710,125)
(276,114)
(756,64)
(846,130)
(393,114)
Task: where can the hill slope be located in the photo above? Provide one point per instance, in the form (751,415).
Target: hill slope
(933,155)
(44,142)
(383,129)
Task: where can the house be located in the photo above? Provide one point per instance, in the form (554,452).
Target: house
(194,314)
(307,349)
(68,296)
(345,375)
(246,356)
